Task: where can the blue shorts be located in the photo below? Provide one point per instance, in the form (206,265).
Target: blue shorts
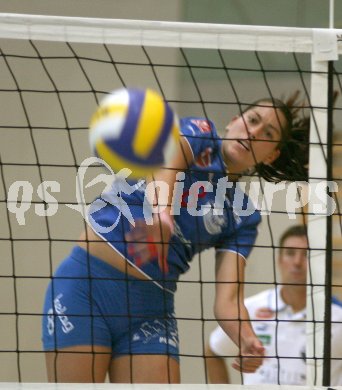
(89,302)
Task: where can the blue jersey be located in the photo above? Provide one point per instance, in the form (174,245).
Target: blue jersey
(209,211)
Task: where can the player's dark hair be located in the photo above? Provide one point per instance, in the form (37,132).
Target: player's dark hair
(293,231)
(292,163)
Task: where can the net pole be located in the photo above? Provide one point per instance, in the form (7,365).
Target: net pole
(317,226)
(329,259)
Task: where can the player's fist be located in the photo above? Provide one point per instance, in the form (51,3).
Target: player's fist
(252,356)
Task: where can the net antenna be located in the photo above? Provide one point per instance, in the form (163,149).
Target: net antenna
(321,44)
(331,13)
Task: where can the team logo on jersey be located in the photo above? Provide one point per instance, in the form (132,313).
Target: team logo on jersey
(264,312)
(260,326)
(204,159)
(213,223)
(194,193)
(202,124)
(265,338)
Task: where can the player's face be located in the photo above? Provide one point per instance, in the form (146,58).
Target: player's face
(253,138)
(293,260)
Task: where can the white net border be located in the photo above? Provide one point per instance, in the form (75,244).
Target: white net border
(166,34)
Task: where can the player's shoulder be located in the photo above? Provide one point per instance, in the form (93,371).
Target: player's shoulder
(261,299)
(197,125)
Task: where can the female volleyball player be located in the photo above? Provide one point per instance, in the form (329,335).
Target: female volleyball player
(110,306)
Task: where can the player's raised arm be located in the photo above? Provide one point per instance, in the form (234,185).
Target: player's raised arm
(146,241)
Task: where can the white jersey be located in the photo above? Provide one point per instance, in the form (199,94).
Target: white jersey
(284,341)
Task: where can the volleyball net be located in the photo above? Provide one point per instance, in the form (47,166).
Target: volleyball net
(55,70)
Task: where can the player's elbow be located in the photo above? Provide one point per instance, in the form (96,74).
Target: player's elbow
(225,309)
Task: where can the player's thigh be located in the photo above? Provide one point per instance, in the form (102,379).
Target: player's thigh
(78,364)
(144,369)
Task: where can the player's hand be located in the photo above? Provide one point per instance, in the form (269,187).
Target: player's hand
(252,355)
(148,242)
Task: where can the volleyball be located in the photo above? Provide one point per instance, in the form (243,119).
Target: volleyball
(134,129)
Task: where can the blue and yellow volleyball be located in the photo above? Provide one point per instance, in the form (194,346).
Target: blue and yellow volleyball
(134,129)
